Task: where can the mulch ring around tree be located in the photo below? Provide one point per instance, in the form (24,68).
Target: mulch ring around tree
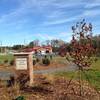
(59,90)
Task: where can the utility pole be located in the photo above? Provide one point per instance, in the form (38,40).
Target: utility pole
(24,42)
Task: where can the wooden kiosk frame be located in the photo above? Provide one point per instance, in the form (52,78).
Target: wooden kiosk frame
(24,64)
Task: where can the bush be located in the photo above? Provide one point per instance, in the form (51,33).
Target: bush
(11,82)
(20,98)
(12,62)
(46,61)
(37,60)
(5,61)
(34,62)
(51,57)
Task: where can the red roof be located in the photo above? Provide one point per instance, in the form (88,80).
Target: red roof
(36,48)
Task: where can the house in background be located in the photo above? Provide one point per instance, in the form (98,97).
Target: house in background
(39,49)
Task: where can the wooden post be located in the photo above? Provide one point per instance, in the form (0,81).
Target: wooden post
(31,69)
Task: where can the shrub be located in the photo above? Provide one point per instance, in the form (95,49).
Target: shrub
(51,57)
(11,82)
(5,61)
(46,61)
(34,62)
(12,62)
(37,60)
(20,98)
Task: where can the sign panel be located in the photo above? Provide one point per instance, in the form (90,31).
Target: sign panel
(21,63)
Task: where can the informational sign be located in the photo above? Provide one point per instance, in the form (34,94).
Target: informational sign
(24,64)
(21,63)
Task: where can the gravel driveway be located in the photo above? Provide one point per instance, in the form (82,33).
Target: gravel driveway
(71,67)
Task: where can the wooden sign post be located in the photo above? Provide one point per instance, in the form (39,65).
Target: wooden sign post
(24,64)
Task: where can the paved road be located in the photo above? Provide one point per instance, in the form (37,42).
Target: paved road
(71,67)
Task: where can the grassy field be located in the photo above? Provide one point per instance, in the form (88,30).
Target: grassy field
(5,57)
(93,75)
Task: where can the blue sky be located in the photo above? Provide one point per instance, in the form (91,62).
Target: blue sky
(44,19)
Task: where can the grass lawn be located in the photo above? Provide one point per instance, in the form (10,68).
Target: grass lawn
(60,59)
(93,74)
(5,57)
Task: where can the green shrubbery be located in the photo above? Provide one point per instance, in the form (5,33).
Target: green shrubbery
(6,61)
(37,60)
(12,62)
(46,61)
(34,62)
(20,98)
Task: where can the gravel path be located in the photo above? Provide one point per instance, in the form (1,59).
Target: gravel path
(71,67)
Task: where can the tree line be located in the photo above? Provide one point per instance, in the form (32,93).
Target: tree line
(58,45)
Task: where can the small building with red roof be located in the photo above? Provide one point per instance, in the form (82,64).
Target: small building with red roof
(39,49)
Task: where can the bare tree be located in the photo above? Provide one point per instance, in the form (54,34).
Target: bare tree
(83,50)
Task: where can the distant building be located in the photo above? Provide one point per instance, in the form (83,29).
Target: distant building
(39,49)
(3,49)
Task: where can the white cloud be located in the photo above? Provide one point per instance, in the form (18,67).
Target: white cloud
(92,5)
(58,15)
(68,4)
(91,13)
(54,17)
(43,36)
(38,6)
(13,15)
(61,21)
(64,34)
(43,7)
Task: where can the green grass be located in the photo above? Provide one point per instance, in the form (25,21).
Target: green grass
(60,59)
(93,74)
(96,65)
(94,78)
(6,57)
